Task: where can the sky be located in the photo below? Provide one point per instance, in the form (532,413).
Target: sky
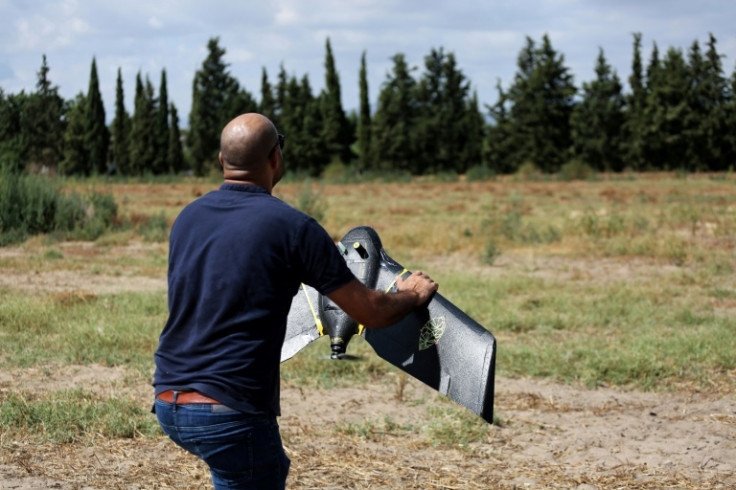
(485,37)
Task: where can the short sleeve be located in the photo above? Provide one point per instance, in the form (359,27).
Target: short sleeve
(323,268)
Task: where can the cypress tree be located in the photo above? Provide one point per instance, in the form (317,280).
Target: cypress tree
(76,156)
(143,129)
(267,106)
(336,130)
(121,131)
(729,135)
(161,164)
(315,152)
(655,114)
(635,115)
(175,153)
(97,137)
(713,125)
(364,120)
(597,121)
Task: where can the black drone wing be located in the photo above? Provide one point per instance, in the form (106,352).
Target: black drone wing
(438,344)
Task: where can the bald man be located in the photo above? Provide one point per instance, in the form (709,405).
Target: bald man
(237,256)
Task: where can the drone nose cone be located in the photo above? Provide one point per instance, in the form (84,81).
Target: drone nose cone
(338,346)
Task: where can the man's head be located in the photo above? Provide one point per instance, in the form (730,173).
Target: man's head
(250,151)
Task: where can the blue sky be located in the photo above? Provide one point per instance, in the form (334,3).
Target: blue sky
(485,37)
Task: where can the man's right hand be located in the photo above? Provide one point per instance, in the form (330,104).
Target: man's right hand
(418,283)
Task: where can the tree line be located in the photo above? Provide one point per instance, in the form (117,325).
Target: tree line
(678,114)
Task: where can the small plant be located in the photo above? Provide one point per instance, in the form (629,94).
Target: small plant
(310,201)
(490,253)
(155,228)
(479,173)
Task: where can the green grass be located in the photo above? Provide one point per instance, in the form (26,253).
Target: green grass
(111,330)
(73,415)
(495,246)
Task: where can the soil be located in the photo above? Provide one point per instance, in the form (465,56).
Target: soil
(550,435)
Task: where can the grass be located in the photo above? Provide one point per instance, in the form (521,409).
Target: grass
(611,281)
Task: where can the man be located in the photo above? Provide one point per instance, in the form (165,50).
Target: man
(236,258)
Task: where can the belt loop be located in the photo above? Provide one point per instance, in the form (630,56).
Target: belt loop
(176,396)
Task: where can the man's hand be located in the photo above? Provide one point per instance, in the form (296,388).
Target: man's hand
(418,283)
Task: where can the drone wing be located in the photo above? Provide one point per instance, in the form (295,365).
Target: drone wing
(439,345)
(303,325)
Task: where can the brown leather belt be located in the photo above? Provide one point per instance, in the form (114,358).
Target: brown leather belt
(186,397)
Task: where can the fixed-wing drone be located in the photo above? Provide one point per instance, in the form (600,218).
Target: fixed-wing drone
(438,343)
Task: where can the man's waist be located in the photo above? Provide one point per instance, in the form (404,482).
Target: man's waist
(186,397)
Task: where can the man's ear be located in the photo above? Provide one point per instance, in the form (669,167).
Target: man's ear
(222,162)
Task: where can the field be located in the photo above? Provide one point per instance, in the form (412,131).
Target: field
(613,302)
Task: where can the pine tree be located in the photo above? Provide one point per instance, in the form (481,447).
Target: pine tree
(541,105)
(336,131)
(499,140)
(42,122)
(474,134)
(441,131)
(13,141)
(216,99)
(597,121)
(394,120)
(120,131)
(364,120)
(667,111)
(76,156)
(161,164)
(175,152)
(96,137)
(432,152)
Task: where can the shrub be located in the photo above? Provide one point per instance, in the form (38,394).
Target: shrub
(480,173)
(31,205)
(575,170)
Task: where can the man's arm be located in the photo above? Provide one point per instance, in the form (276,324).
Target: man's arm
(376,309)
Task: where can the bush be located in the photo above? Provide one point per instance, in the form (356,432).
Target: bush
(31,205)
(575,170)
(480,173)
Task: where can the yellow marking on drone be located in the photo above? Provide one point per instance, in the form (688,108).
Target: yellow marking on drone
(396,279)
(361,327)
(317,321)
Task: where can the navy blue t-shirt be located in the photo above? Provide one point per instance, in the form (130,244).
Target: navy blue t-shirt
(236,258)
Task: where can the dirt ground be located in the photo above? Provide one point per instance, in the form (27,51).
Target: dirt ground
(551,435)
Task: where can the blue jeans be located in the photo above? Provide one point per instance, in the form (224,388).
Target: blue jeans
(242,451)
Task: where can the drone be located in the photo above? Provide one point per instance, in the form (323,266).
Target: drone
(437,343)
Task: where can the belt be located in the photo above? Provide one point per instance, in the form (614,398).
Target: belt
(186,397)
